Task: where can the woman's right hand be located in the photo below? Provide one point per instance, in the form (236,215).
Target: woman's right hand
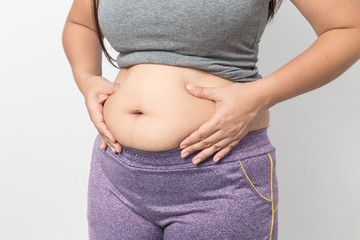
(96,91)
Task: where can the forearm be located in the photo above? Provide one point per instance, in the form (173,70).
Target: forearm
(83,51)
(328,57)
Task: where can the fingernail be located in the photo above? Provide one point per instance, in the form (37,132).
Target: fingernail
(112,149)
(184,155)
(190,87)
(116,150)
(216,159)
(196,161)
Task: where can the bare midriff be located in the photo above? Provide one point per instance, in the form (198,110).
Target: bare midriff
(153,111)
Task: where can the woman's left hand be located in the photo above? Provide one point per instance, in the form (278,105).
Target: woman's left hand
(238,106)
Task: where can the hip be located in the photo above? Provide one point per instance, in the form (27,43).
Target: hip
(253,159)
(239,190)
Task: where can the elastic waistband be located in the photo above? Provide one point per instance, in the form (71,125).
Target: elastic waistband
(253,144)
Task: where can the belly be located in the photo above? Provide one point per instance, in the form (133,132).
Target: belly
(153,111)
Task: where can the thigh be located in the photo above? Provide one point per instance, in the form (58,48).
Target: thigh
(245,210)
(108,217)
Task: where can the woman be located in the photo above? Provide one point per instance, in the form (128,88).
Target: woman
(186,117)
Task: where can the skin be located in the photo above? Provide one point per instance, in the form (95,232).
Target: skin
(337,47)
(83,50)
(113,102)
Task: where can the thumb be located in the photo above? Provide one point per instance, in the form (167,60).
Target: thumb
(116,86)
(112,88)
(202,92)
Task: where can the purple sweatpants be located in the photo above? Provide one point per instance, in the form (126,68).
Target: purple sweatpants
(143,195)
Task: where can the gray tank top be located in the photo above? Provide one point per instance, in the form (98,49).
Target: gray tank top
(219,36)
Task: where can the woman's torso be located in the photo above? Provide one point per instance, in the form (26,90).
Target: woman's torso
(153,111)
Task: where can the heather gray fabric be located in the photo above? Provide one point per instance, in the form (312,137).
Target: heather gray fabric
(221,37)
(141,195)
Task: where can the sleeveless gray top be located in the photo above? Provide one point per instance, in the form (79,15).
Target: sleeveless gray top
(219,36)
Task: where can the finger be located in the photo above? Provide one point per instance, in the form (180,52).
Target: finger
(102,128)
(98,119)
(207,152)
(205,143)
(102,97)
(111,146)
(205,130)
(220,154)
(95,112)
(111,88)
(115,147)
(202,92)
(102,143)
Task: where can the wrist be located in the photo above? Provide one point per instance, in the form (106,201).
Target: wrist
(263,90)
(85,82)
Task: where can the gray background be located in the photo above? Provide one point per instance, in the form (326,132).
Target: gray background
(47,136)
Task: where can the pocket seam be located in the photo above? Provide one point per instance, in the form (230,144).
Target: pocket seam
(260,195)
(252,185)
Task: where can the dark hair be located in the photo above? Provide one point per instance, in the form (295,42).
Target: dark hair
(273,7)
